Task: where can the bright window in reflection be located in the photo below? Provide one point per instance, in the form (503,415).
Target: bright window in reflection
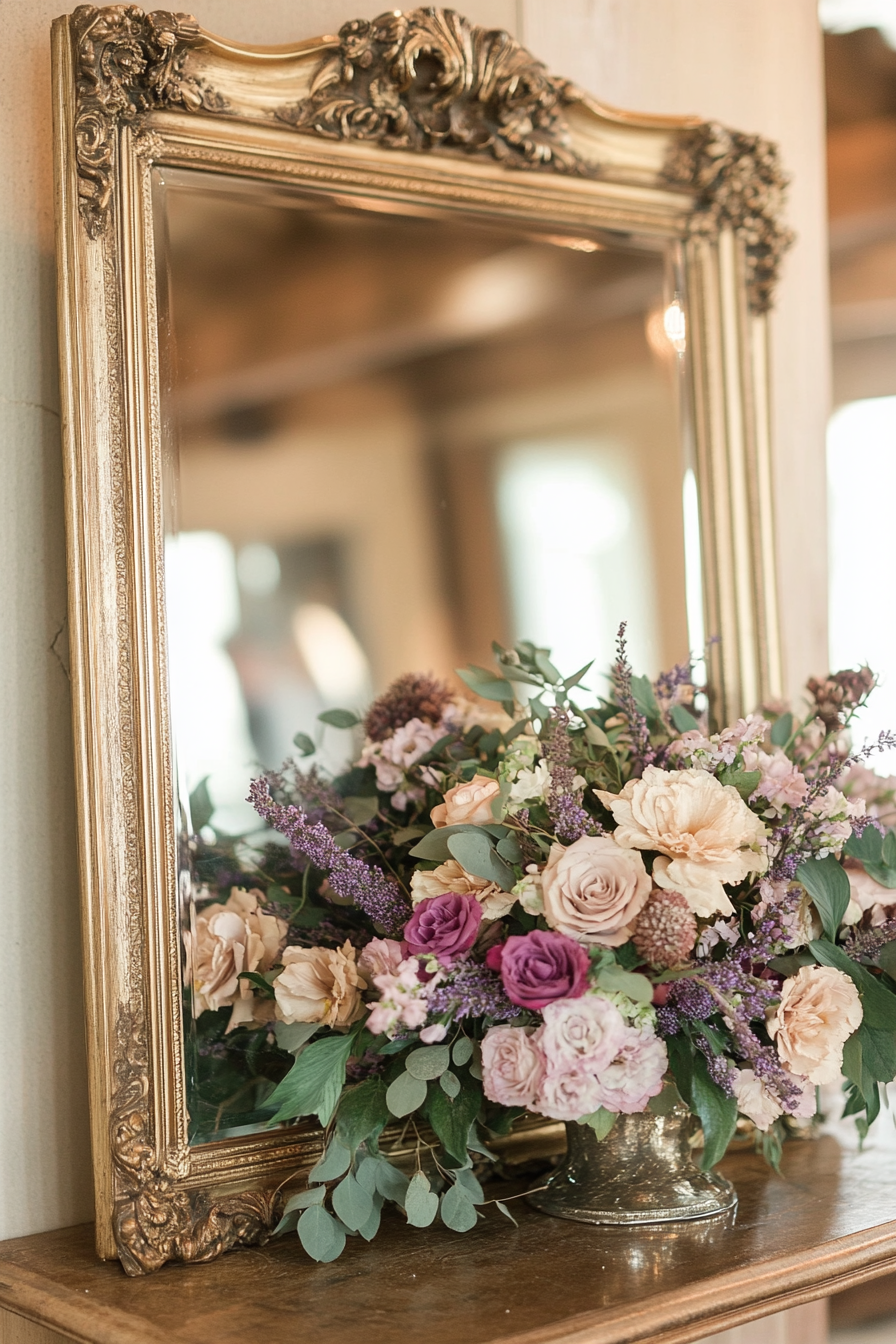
(862,550)
(575,550)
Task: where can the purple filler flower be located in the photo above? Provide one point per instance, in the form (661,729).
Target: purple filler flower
(541,967)
(443,926)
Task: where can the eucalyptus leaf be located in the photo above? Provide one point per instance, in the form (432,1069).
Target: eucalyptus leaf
(365,1172)
(642,690)
(421,1204)
(827,884)
(547,668)
(406,833)
(615,980)
(390,1182)
(509,849)
(451,1118)
(495,689)
(782,729)
(201,806)
(745,781)
(352,1203)
(372,1226)
(462,1050)
(570,682)
(476,853)
(596,735)
(304,744)
(405,1094)
(428,1061)
(502,1208)
(434,845)
(360,810)
(449,1083)
(335,1162)
(601,1121)
(458,1210)
(320,1234)
(295,1205)
(683,719)
(339,718)
(464,1177)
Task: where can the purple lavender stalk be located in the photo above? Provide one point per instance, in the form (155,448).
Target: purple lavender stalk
(642,752)
(569,818)
(379,896)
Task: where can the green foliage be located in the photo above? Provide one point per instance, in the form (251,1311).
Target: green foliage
(475,851)
(827,884)
(449,1083)
(335,1162)
(303,743)
(320,1234)
(781,730)
(390,1182)
(601,1121)
(405,1094)
(451,1118)
(457,1209)
(614,980)
(666,1101)
(718,1114)
(745,781)
(352,1204)
(314,1195)
(363,1112)
(878,1004)
(421,1204)
(201,806)
(339,718)
(360,810)
(683,719)
(428,1061)
(314,1083)
(292,1036)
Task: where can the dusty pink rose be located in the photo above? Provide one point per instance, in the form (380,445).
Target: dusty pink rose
(320,984)
(636,1074)
(582,1033)
(819,1010)
(444,927)
(593,890)
(381,956)
(568,1094)
(468,804)
(512,1066)
(539,967)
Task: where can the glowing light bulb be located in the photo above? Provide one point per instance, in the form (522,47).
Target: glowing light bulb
(675,326)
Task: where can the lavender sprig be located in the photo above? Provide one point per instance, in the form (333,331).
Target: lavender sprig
(379,896)
(866,944)
(475,991)
(570,820)
(642,752)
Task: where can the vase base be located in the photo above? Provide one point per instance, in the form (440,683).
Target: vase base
(702,1195)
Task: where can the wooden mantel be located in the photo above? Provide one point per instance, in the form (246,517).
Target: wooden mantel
(828,1224)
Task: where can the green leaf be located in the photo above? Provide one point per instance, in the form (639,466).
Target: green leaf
(494,689)
(878,1004)
(683,719)
(828,885)
(315,1081)
(451,1118)
(665,1101)
(405,1094)
(320,1234)
(335,1162)
(614,980)
(420,1203)
(201,806)
(878,1053)
(292,1036)
(601,1121)
(888,850)
(782,729)
(304,744)
(886,959)
(475,852)
(464,1177)
(596,735)
(352,1203)
(718,1114)
(462,1050)
(390,1182)
(509,849)
(458,1210)
(360,810)
(407,833)
(642,690)
(570,682)
(345,839)
(434,845)
(502,1208)
(362,1112)
(866,847)
(294,1206)
(258,982)
(428,1061)
(339,718)
(449,1083)
(372,1226)
(745,781)
(546,667)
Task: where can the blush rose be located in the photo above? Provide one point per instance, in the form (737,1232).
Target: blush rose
(468,804)
(512,1066)
(593,890)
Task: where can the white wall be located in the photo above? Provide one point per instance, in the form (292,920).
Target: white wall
(752,63)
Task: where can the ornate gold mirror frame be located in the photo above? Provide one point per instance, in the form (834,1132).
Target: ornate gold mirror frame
(420,107)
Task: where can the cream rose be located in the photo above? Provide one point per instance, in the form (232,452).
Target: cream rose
(819,1009)
(703,830)
(320,984)
(451,876)
(468,804)
(593,890)
(228,939)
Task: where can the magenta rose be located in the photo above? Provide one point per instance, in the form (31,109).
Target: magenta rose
(541,967)
(443,926)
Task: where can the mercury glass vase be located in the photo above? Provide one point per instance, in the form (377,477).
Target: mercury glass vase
(641,1172)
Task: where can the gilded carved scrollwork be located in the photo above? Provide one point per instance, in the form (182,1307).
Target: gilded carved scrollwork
(739,183)
(127,62)
(155,1220)
(430,80)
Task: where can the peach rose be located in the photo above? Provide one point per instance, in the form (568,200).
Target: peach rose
(593,890)
(320,984)
(227,939)
(468,804)
(819,1009)
(703,830)
(450,876)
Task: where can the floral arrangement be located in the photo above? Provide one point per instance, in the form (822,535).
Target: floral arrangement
(579,907)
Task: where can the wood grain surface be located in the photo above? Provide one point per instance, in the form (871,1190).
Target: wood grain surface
(828,1223)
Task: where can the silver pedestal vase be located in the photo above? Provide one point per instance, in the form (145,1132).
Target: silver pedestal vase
(641,1172)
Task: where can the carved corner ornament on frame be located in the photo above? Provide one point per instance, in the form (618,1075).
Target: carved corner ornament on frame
(354,111)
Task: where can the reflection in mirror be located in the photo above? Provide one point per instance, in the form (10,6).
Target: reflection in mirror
(394,437)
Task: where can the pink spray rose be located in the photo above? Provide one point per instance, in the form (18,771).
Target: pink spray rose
(381,956)
(636,1074)
(444,927)
(512,1066)
(568,1094)
(540,967)
(584,1033)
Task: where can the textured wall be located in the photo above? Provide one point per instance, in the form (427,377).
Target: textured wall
(753,63)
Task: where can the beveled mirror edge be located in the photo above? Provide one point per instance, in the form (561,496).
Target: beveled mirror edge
(156,1198)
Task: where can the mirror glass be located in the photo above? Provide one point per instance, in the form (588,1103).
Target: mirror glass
(392,436)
